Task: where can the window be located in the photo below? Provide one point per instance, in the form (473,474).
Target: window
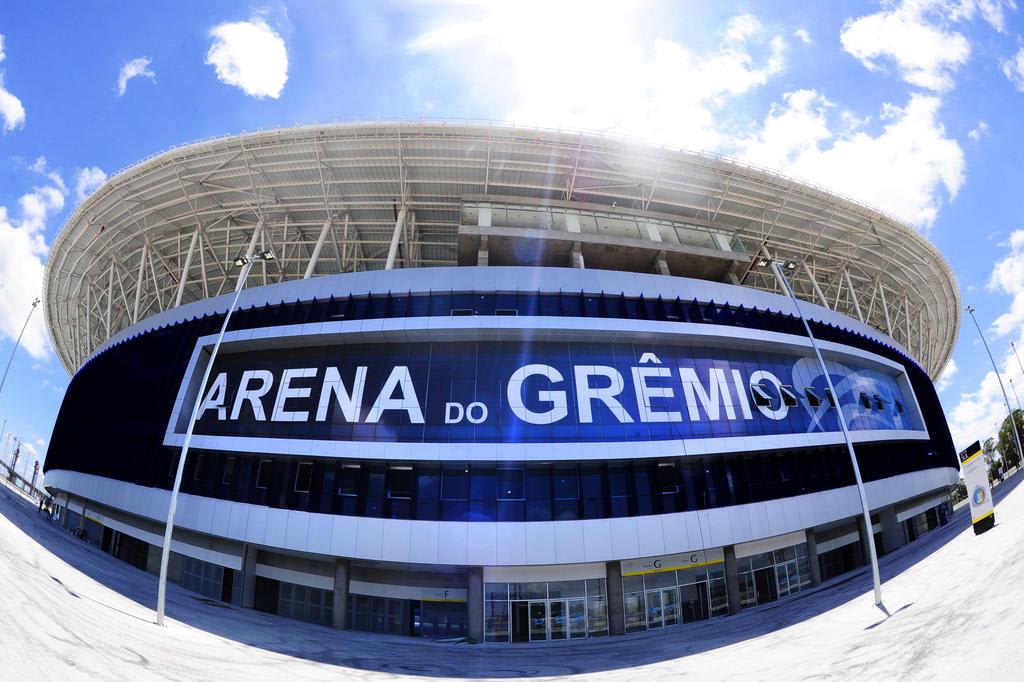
(462,312)
(229,470)
(265,474)
(788,396)
(455,483)
(349,484)
(879,403)
(303,477)
(400,483)
(668,482)
(812,398)
(761,397)
(510,484)
(200,473)
(865,401)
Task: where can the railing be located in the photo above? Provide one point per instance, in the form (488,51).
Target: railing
(12,479)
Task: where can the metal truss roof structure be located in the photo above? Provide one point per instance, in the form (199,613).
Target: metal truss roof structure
(344,197)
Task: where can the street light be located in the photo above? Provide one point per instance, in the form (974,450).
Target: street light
(791,265)
(1006,399)
(18,343)
(1015,394)
(1013,346)
(246,262)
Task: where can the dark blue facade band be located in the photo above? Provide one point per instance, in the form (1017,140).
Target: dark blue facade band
(547,491)
(114,415)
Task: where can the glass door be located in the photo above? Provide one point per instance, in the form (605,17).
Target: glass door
(520,621)
(538,621)
(557,617)
(654,609)
(577,618)
(670,606)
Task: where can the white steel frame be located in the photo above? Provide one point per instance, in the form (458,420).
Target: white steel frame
(349,197)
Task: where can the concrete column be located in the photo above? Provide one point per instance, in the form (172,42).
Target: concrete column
(576,257)
(482,254)
(892,534)
(661,265)
(475,603)
(732,579)
(812,557)
(248,576)
(616,613)
(342,575)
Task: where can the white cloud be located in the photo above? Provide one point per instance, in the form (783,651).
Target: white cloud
(915,36)
(1014,69)
(803,36)
(10,106)
(1008,278)
(920,37)
(979,131)
(903,169)
(977,412)
(135,68)
(617,76)
(946,378)
(249,55)
(23,252)
(88,180)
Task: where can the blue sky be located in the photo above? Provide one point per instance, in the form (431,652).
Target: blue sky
(909,106)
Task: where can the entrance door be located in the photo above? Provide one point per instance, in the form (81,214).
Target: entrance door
(654,609)
(765,585)
(557,616)
(670,606)
(694,602)
(520,621)
(577,618)
(538,621)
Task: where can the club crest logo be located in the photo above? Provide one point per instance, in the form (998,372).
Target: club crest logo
(979,495)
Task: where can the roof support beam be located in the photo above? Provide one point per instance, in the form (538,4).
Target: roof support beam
(138,281)
(110,294)
(393,249)
(188,264)
(885,309)
(814,285)
(316,249)
(853,294)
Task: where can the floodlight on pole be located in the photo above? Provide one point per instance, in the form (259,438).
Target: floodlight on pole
(17,343)
(875,578)
(245,261)
(1013,347)
(1006,399)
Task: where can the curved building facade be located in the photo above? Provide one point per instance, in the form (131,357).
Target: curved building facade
(499,384)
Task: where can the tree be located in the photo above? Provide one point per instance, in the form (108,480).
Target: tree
(1007,443)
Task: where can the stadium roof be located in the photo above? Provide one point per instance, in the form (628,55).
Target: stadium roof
(164,231)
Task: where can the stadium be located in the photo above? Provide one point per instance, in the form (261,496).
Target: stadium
(505,384)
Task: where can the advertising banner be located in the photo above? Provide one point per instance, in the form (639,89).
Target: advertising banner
(975,470)
(539,392)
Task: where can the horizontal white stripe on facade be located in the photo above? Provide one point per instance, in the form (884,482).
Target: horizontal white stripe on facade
(837,542)
(202,553)
(768,544)
(525,574)
(287,575)
(501,543)
(921,507)
(407,591)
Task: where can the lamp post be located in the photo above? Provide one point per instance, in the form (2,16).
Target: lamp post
(18,343)
(1006,399)
(245,262)
(790,265)
(1013,346)
(1015,394)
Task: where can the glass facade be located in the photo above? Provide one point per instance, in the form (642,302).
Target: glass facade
(773,575)
(543,491)
(202,576)
(542,611)
(658,599)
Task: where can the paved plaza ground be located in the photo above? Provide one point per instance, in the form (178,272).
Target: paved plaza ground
(953,608)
